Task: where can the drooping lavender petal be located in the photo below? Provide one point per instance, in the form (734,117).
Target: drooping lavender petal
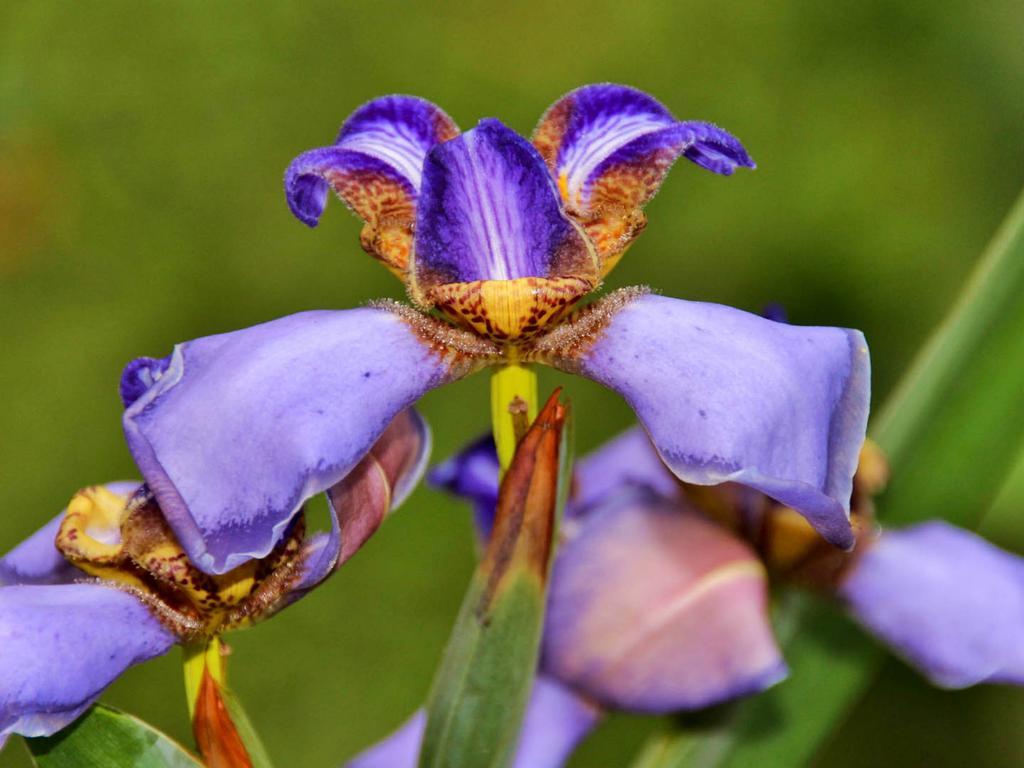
(375,163)
(556,721)
(244,426)
(728,396)
(946,600)
(653,608)
(614,144)
(62,645)
(488,210)
(36,560)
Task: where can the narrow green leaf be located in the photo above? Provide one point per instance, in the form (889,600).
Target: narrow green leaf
(483,683)
(952,431)
(107,738)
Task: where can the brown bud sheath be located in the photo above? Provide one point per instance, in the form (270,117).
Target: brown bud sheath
(524,521)
(216,736)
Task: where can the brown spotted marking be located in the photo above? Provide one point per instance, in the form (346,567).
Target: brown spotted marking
(510,311)
(548,135)
(388,207)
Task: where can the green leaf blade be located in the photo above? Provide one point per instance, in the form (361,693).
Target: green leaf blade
(107,738)
(483,684)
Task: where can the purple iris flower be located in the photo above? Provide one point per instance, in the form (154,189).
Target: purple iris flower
(502,237)
(116,589)
(944,599)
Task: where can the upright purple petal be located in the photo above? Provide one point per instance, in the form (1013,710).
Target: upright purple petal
(376,160)
(946,600)
(488,210)
(653,608)
(556,721)
(611,143)
(62,645)
(244,426)
(728,396)
(36,560)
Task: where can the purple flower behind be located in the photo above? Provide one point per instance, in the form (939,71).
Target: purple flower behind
(945,599)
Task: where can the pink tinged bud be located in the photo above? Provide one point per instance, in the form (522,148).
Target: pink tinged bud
(653,608)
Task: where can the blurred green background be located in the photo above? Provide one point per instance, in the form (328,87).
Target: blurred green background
(141,154)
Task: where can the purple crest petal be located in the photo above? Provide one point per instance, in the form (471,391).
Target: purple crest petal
(600,131)
(946,600)
(244,426)
(488,210)
(556,721)
(36,560)
(385,139)
(62,645)
(728,396)
(653,608)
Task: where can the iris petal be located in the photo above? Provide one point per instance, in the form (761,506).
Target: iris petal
(946,600)
(489,211)
(472,474)
(653,608)
(62,645)
(729,396)
(627,460)
(613,144)
(244,426)
(383,143)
